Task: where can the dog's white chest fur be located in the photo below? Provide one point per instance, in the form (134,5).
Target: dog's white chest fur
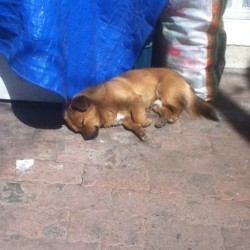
(119,119)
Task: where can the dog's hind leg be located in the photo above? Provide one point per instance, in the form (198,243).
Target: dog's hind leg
(136,128)
(168,112)
(176,109)
(164,115)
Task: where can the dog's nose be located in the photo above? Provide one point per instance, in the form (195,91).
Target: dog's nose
(91,136)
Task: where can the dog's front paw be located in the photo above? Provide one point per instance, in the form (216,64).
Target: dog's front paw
(142,135)
(160,123)
(144,138)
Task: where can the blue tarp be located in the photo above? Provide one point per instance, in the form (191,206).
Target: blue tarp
(68,45)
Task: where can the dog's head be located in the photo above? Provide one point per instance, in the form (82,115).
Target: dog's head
(82,116)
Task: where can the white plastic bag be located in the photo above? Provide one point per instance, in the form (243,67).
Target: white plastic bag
(192,42)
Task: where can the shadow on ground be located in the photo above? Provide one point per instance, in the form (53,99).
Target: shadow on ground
(237,116)
(38,114)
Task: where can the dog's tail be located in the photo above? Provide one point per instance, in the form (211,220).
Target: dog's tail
(197,107)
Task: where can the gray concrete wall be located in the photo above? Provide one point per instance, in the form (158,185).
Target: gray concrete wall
(14,88)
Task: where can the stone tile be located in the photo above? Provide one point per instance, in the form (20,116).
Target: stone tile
(236,238)
(75,198)
(7,168)
(16,241)
(104,247)
(228,213)
(52,172)
(34,223)
(109,228)
(161,235)
(13,193)
(115,178)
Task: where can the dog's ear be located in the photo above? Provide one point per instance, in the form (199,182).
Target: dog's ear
(68,101)
(80,103)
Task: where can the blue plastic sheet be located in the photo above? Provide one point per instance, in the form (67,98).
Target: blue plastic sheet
(68,45)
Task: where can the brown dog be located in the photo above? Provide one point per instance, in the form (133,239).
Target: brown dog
(124,100)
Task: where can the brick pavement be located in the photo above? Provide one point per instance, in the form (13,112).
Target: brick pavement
(187,188)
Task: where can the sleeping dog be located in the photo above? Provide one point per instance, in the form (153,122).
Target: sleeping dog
(126,99)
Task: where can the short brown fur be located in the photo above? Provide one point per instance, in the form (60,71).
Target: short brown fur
(125,100)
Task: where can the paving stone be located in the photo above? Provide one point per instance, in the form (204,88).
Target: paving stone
(104,247)
(236,238)
(15,241)
(164,235)
(35,223)
(53,172)
(7,168)
(115,178)
(12,193)
(106,227)
(228,212)
(74,198)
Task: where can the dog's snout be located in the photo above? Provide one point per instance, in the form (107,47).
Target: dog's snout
(92,135)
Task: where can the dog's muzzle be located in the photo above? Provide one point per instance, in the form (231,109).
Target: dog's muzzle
(92,135)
